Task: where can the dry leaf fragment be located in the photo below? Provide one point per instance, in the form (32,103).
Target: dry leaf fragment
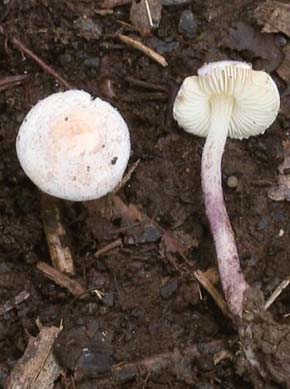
(275,16)
(243,37)
(284,69)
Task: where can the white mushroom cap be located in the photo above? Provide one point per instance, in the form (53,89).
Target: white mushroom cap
(73,146)
(255,96)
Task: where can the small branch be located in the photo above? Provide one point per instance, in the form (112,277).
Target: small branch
(11,81)
(283,285)
(47,68)
(9,305)
(109,247)
(144,49)
(38,367)
(74,287)
(212,290)
(60,252)
(169,361)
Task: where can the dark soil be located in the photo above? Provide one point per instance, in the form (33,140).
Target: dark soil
(148,307)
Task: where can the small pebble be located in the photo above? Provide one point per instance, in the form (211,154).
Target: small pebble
(169,289)
(281,40)
(232,182)
(87,28)
(187,24)
(65,59)
(92,63)
(162,47)
(175,3)
(108,299)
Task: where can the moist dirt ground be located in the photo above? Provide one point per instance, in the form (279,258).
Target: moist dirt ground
(150,303)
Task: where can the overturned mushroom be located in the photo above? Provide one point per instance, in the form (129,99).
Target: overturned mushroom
(74,147)
(226,99)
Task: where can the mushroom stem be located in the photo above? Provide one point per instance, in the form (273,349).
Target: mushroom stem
(232,279)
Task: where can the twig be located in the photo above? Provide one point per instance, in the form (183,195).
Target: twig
(74,287)
(38,367)
(170,361)
(47,68)
(144,49)
(9,305)
(11,81)
(211,289)
(114,3)
(108,247)
(127,177)
(155,96)
(55,233)
(145,84)
(283,285)
(149,13)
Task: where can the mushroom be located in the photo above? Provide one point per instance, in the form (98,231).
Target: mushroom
(227,98)
(73,146)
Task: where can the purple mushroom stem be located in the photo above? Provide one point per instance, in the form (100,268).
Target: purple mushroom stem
(232,279)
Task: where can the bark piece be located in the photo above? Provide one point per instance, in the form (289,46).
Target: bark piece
(37,368)
(274,16)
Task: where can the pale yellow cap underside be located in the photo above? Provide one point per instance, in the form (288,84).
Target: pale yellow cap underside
(255,94)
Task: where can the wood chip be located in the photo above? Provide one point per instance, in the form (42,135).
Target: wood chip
(113,3)
(74,287)
(60,252)
(274,16)
(38,367)
(144,49)
(109,247)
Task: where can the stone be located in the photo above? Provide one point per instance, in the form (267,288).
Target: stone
(187,24)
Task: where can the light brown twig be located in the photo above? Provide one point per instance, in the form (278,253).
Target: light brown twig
(60,252)
(283,285)
(211,289)
(109,247)
(47,68)
(9,305)
(127,177)
(74,287)
(144,49)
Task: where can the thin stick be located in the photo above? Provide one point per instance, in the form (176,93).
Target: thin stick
(283,285)
(149,13)
(9,305)
(145,84)
(74,287)
(60,252)
(108,247)
(47,68)
(211,289)
(127,177)
(38,367)
(11,81)
(144,49)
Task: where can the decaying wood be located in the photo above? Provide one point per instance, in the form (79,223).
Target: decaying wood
(145,15)
(74,287)
(274,16)
(38,367)
(59,249)
(144,49)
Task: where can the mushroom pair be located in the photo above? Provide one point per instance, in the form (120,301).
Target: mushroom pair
(227,98)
